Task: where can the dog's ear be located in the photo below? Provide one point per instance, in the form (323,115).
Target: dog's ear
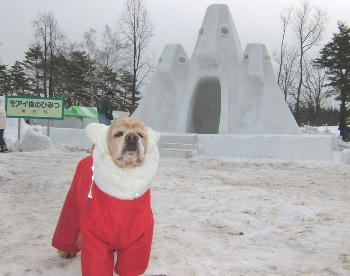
(97,134)
(153,137)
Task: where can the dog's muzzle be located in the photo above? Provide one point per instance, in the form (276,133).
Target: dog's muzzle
(131,142)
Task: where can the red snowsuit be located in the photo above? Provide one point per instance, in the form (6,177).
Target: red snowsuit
(105,223)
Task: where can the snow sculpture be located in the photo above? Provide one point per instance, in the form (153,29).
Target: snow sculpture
(220,89)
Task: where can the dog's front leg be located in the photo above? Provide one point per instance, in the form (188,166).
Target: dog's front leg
(96,257)
(69,255)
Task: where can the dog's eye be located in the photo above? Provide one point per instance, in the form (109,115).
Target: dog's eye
(119,134)
(141,135)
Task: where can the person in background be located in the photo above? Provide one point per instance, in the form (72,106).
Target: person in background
(2,129)
(105,108)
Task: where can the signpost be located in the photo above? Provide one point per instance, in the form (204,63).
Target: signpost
(34,108)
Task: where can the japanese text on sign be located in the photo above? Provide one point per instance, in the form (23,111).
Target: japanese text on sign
(34,107)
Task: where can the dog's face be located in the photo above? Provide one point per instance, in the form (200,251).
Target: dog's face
(127,142)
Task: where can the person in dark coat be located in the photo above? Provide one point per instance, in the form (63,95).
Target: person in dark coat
(105,109)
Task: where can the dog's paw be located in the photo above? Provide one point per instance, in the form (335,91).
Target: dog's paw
(66,255)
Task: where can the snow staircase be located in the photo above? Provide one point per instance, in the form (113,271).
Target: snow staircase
(178,145)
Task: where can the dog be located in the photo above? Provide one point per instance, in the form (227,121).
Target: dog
(107,207)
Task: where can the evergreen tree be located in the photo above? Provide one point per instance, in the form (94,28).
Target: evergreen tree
(5,85)
(19,80)
(125,91)
(77,69)
(71,78)
(131,96)
(33,63)
(108,82)
(61,79)
(327,116)
(335,58)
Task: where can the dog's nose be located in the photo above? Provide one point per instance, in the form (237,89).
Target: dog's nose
(131,138)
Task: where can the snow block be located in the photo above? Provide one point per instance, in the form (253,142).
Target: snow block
(289,147)
(70,136)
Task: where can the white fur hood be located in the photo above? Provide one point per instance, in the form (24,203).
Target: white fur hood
(127,183)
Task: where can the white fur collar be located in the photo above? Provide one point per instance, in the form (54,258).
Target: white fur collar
(127,183)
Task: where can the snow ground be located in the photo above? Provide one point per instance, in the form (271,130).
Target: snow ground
(212,217)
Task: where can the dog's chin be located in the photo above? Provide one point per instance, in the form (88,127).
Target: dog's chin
(129,159)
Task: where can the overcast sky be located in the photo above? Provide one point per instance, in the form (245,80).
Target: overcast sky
(175,21)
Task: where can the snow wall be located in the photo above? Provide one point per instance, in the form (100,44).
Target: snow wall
(288,147)
(75,138)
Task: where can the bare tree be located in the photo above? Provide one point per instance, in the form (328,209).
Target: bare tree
(315,90)
(0,52)
(106,61)
(110,61)
(309,26)
(89,45)
(110,52)
(137,30)
(285,17)
(50,38)
(288,73)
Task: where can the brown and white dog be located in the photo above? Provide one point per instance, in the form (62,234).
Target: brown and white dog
(108,205)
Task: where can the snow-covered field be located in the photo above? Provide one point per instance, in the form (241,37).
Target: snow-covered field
(212,217)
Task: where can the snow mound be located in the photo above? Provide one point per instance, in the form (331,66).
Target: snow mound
(32,138)
(317,130)
(338,143)
(11,132)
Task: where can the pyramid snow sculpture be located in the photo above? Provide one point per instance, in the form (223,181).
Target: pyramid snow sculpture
(220,89)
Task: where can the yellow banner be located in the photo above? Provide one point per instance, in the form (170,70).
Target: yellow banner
(34,107)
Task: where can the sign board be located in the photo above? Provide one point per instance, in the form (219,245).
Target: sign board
(34,107)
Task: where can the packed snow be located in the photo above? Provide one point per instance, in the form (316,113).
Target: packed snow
(31,137)
(212,217)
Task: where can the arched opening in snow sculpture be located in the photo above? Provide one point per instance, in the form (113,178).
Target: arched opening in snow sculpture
(205,116)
